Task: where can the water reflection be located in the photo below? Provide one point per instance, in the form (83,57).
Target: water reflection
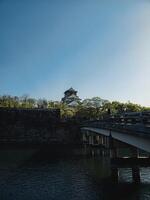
(55,178)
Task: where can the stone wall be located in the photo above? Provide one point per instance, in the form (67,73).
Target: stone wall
(28,125)
(36,126)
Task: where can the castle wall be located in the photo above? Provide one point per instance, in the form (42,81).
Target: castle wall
(28,125)
(35,126)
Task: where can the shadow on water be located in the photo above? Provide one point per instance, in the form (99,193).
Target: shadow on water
(52,173)
(96,169)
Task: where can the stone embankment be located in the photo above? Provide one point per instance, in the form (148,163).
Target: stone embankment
(35,126)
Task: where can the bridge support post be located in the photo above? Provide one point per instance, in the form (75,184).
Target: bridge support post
(84,138)
(98,139)
(114,174)
(90,139)
(101,140)
(103,144)
(135,169)
(104,141)
(136,174)
(113,153)
(112,148)
(134,152)
(108,142)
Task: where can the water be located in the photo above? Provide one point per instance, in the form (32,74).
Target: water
(35,176)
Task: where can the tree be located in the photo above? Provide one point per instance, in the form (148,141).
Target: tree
(94,108)
(42,103)
(24,100)
(16,102)
(31,102)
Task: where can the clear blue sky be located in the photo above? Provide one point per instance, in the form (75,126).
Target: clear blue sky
(101,48)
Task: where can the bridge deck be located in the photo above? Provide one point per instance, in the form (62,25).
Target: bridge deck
(131,139)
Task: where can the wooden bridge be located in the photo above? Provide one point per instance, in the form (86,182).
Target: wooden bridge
(129,130)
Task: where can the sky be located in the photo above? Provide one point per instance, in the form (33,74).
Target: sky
(100,48)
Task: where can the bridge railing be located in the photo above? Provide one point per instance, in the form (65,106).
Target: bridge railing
(133,123)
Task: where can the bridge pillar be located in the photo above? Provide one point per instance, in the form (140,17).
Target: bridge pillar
(93,153)
(84,138)
(104,142)
(136,174)
(101,140)
(91,140)
(114,174)
(107,141)
(135,169)
(134,152)
(98,139)
(113,153)
(112,148)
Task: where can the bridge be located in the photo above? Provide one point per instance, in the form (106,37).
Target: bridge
(128,130)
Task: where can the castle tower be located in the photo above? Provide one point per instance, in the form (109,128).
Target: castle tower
(70,97)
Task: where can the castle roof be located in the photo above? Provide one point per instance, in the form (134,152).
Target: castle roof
(70,90)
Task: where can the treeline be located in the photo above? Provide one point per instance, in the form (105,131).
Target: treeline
(81,111)
(22,102)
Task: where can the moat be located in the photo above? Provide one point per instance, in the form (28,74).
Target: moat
(43,174)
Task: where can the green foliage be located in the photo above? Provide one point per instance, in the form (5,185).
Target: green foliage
(17,102)
(88,109)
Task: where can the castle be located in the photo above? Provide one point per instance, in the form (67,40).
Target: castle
(71,98)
